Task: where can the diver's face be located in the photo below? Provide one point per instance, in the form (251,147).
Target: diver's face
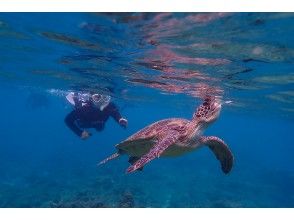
(100,101)
(97,98)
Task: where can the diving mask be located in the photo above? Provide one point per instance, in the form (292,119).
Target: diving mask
(101,101)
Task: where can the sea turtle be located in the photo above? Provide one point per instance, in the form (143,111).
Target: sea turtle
(175,136)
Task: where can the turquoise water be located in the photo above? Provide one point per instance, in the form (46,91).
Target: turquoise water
(154,66)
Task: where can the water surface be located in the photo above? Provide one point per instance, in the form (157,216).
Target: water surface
(154,66)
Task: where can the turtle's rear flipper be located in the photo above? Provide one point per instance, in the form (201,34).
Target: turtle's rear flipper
(133,160)
(165,140)
(221,151)
(111,157)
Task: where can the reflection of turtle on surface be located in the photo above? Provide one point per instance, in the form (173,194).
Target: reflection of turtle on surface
(176,136)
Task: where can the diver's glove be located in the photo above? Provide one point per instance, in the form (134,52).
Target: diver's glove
(85,135)
(123,122)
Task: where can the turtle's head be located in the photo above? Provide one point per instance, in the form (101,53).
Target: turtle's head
(208,111)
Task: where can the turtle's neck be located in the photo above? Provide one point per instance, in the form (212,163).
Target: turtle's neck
(196,128)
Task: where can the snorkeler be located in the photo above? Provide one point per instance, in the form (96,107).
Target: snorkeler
(91,111)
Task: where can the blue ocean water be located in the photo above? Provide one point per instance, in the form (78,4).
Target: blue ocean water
(154,66)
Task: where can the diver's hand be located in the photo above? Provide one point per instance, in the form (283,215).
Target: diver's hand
(123,122)
(85,135)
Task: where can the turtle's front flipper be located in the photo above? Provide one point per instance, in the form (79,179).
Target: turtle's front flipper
(221,151)
(111,157)
(163,143)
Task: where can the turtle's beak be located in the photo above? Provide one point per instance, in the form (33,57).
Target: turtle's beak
(215,110)
(217,105)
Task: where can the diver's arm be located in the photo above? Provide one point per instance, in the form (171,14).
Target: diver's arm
(115,114)
(70,122)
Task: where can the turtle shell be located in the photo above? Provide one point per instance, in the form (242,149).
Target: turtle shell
(141,142)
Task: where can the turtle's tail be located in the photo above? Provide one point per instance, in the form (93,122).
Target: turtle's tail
(111,157)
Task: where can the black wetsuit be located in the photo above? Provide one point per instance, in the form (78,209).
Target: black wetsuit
(89,116)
